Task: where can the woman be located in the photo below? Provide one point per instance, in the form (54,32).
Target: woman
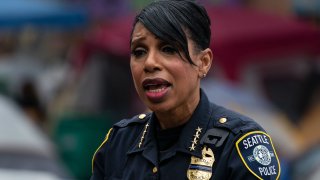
(185,136)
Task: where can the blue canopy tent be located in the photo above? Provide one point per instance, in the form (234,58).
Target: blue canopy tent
(41,13)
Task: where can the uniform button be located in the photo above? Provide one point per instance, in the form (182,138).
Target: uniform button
(155,170)
(142,116)
(223,120)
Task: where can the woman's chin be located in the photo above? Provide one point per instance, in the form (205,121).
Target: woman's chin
(160,107)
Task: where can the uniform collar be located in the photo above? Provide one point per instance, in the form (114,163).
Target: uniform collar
(191,133)
(147,140)
(198,121)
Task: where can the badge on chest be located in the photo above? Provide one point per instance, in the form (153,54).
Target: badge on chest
(201,168)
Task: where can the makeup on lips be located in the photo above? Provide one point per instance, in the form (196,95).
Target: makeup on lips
(156,89)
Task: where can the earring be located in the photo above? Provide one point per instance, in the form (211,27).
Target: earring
(204,75)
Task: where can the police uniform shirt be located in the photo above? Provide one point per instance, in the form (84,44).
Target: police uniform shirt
(215,143)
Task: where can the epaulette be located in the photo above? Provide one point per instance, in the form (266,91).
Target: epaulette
(138,119)
(233,121)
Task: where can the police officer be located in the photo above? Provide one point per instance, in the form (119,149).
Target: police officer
(185,136)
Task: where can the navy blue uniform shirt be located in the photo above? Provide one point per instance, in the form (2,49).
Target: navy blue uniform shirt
(215,143)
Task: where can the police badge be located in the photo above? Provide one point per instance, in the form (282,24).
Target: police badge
(201,168)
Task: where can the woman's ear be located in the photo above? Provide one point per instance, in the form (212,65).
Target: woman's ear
(206,57)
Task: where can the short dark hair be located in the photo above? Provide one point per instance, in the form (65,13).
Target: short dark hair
(174,20)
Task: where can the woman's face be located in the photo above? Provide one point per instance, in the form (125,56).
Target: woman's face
(164,81)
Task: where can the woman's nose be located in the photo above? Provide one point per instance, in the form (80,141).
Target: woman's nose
(152,63)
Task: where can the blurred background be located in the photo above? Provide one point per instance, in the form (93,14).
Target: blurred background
(65,79)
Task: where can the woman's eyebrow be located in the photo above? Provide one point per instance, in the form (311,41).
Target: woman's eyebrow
(137,40)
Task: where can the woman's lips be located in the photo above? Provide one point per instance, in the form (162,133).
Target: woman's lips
(156,89)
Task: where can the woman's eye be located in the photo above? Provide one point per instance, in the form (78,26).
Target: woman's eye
(169,50)
(138,52)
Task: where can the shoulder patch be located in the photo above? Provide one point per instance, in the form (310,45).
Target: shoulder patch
(258,155)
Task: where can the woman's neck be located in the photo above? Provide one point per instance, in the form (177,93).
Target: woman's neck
(178,116)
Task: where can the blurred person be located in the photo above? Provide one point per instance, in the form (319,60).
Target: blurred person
(307,164)
(184,135)
(26,152)
(28,100)
(310,108)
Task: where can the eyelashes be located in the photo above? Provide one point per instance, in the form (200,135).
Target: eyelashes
(168,49)
(165,49)
(138,52)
